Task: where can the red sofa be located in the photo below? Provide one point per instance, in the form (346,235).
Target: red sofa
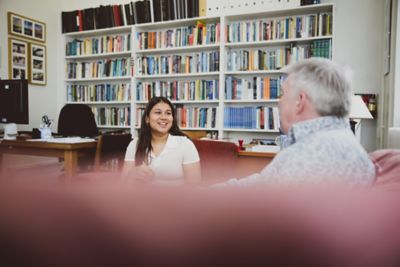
(131,226)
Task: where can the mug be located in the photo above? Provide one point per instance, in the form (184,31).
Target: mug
(45,133)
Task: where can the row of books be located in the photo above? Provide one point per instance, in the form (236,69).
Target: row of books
(99,45)
(179,90)
(279,28)
(172,64)
(322,48)
(253,88)
(188,117)
(196,117)
(176,9)
(112,116)
(256,118)
(101,68)
(98,92)
(274,58)
(199,34)
(106,16)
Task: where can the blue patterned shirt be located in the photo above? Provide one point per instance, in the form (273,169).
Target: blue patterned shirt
(318,150)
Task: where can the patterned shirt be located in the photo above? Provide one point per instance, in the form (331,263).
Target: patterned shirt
(318,150)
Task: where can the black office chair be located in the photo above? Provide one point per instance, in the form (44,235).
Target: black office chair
(77,120)
(110,152)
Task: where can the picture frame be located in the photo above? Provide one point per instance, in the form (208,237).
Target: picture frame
(25,27)
(18,59)
(37,64)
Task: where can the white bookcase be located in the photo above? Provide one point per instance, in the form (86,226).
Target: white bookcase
(98,73)
(159,65)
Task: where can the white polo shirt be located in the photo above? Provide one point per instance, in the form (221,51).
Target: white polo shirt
(168,165)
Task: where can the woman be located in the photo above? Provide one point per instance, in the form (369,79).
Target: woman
(162,154)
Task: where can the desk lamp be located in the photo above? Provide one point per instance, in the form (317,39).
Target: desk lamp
(358,112)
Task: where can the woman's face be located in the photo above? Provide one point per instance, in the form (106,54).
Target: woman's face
(160,118)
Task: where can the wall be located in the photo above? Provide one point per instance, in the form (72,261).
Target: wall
(358,44)
(42,99)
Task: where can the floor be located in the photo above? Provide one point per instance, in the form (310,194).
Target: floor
(32,168)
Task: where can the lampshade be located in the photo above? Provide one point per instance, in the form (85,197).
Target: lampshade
(358,109)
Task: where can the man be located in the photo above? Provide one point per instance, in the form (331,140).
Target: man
(313,109)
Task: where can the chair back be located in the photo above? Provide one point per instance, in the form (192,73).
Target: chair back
(218,159)
(110,152)
(77,120)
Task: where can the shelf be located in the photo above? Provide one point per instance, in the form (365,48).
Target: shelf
(183,49)
(173,23)
(101,102)
(103,55)
(251,101)
(275,42)
(105,31)
(301,10)
(179,75)
(101,79)
(198,129)
(185,102)
(250,130)
(254,72)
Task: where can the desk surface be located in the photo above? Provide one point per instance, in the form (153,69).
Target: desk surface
(40,144)
(256,154)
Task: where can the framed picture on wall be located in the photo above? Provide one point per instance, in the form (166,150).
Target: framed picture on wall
(25,27)
(37,64)
(18,59)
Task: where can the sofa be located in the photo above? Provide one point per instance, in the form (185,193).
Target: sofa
(148,226)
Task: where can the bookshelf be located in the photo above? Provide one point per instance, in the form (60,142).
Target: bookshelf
(180,59)
(222,73)
(98,73)
(257,46)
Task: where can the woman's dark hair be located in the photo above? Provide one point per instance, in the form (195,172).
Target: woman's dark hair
(143,147)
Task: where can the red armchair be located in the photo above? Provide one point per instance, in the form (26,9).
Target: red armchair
(217,158)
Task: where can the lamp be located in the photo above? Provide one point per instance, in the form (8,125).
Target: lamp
(358,111)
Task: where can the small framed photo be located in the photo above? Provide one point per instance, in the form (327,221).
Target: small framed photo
(18,59)
(25,27)
(37,64)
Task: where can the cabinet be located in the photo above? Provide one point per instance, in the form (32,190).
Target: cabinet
(222,73)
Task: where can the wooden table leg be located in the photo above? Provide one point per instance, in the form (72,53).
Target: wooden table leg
(70,164)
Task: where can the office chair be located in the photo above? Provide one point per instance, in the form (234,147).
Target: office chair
(77,120)
(110,152)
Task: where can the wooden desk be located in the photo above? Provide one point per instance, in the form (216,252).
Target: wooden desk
(69,152)
(252,162)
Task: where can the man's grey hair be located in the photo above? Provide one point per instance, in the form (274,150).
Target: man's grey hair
(326,84)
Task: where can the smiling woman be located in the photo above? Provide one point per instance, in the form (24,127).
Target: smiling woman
(162,154)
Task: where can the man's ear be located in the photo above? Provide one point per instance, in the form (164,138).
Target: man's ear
(301,102)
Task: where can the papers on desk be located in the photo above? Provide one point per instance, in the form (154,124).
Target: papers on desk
(265,148)
(64,140)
